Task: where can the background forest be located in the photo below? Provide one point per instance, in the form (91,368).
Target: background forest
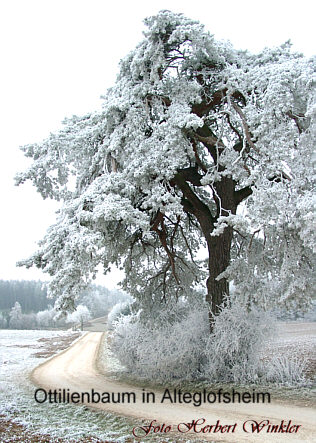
(24,305)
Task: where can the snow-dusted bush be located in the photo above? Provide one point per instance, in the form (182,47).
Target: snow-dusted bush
(121,308)
(233,349)
(286,370)
(46,318)
(176,344)
(168,347)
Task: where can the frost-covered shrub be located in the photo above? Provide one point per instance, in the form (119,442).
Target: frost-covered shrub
(46,318)
(118,310)
(176,344)
(233,349)
(286,370)
(162,350)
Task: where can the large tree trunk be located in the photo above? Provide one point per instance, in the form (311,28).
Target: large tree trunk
(218,246)
(219,258)
(219,249)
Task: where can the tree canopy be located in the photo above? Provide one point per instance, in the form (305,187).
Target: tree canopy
(197,144)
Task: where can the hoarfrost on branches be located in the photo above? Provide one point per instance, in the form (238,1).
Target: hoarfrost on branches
(197,144)
(174,345)
(118,310)
(80,315)
(169,346)
(234,349)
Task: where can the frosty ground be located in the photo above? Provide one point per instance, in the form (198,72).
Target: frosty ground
(21,351)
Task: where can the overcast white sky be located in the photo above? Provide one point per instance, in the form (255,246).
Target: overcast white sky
(59,56)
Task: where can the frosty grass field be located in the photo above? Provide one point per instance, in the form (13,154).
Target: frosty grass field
(17,349)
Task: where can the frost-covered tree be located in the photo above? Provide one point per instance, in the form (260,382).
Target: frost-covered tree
(100,300)
(197,144)
(28,321)
(46,318)
(80,315)
(16,316)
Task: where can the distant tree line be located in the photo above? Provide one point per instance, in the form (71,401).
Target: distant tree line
(24,305)
(31,295)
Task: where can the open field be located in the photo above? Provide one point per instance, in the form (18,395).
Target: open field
(24,420)
(297,339)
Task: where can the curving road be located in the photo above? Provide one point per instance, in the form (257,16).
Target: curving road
(76,369)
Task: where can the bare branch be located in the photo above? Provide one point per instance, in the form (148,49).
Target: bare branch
(252,237)
(162,234)
(113,164)
(210,141)
(296,119)
(245,126)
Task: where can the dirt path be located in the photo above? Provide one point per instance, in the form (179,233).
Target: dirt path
(75,369)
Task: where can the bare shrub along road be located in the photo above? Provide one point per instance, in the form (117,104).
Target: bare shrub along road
(75,371)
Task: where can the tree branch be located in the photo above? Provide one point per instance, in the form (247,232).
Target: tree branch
(210,141)
(245,126)
(242,194)
(192,204)
(203,108)
(197,158)
(296,119)
(156,221)
(162,234)
(191,175)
